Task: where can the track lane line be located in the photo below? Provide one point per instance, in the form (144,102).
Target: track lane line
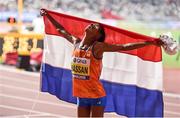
(72,106)
(171,112)
(27,110)
(18,80)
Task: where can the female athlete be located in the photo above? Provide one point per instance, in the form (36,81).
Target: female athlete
(86,65)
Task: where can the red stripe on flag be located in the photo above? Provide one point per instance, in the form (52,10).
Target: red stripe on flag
(114,35)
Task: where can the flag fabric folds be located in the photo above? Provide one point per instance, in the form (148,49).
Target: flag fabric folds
(132,79)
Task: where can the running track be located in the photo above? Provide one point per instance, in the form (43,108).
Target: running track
(20,96)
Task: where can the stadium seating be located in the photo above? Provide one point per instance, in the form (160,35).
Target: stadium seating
(128,9)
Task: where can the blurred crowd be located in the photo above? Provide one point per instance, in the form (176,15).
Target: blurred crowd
(126,9)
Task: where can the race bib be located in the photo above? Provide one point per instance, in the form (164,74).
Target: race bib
(80,68)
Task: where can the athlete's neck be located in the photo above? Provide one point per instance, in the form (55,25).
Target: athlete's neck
(87,41)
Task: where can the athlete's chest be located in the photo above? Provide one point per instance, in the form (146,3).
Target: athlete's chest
(80,64)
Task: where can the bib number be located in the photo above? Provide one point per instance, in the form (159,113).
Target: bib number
(80,67)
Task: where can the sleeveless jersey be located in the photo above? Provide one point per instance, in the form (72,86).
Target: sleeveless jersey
(86,70)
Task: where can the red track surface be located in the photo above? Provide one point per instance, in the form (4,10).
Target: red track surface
(20,96)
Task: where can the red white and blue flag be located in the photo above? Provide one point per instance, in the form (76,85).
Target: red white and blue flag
(132,79)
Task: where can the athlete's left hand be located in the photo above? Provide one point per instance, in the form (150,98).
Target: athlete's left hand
(166,39)
(158,42)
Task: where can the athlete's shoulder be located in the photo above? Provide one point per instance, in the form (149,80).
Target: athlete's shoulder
(77,40)
(77,43)
(97,50)
(99,45)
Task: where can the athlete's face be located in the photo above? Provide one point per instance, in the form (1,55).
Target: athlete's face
(93,30)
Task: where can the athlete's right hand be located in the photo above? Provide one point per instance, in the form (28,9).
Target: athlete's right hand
(43,12)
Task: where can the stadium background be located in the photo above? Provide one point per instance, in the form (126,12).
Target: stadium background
(21,45)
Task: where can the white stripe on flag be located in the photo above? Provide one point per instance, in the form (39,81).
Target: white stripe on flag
(117,67)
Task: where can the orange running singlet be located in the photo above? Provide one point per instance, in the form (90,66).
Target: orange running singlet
(86,70)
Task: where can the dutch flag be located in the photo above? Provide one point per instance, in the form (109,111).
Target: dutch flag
(132,79)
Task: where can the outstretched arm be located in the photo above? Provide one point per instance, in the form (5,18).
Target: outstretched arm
(100,48)
(60,28)
(125,47)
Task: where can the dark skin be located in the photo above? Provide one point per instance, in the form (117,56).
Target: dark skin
(91,35)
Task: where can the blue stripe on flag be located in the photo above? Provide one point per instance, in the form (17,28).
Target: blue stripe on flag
(128,100)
